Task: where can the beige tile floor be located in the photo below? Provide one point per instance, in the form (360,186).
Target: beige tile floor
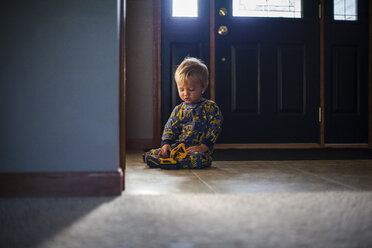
(239,177)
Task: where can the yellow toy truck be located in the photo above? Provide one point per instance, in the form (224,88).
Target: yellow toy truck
(177,153)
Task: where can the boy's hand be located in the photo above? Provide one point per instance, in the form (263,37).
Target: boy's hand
(165,151)
(200,148)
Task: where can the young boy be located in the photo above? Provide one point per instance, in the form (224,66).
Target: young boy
(196,122)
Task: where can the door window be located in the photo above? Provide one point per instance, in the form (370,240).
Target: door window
(345,10)
(268,8)
(185,8)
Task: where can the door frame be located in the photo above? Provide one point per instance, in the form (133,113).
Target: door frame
(157,74)
(122,89)
(370,76)
(322,144)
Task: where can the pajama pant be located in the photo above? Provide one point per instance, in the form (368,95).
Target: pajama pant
(193,160)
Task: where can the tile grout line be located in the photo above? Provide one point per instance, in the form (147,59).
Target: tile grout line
(325,178)
(210,187)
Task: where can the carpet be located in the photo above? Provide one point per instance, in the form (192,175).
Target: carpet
(314,219)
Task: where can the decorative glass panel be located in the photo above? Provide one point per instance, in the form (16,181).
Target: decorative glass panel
(185,8)
(268,8)
(345,10)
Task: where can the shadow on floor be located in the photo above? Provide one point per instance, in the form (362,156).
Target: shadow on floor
(28,222)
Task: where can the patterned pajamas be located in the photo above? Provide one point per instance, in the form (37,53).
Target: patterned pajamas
(191,124)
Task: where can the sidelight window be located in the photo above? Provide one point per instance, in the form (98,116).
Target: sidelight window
(268,8)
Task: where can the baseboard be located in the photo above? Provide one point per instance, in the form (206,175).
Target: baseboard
(268,146)
(56,184)
(289,146)
(139,144)
(354,145)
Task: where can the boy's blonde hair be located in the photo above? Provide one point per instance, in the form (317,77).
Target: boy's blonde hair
(194,69)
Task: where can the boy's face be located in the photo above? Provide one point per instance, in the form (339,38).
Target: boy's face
(190,91)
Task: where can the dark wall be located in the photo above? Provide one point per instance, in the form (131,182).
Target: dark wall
(59,63)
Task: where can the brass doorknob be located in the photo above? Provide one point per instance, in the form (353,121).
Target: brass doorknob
(223,30)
